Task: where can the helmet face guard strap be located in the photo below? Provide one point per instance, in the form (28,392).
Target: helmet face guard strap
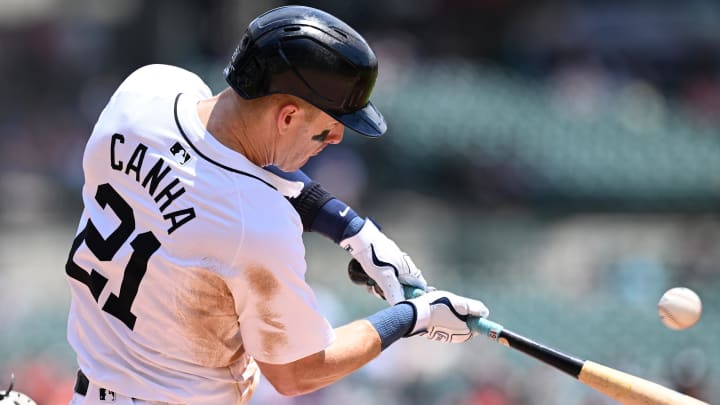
(309,54)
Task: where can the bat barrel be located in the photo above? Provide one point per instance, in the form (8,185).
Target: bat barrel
(629,389)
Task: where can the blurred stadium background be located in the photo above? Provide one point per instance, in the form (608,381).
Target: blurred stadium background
(558,160)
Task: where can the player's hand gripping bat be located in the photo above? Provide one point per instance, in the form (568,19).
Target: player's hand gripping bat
(625,388)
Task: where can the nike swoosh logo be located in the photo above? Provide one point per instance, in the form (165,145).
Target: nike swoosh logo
(344,212)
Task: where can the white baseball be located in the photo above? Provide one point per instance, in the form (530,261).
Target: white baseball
(679,308)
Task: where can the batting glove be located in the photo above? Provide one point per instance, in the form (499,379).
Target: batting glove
(442,316)
(384,262)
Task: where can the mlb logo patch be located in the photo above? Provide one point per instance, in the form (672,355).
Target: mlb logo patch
(179,153)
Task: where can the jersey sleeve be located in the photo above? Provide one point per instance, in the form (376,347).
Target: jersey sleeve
(279,317)
(164,81)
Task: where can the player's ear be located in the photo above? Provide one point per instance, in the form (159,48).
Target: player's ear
(287,117)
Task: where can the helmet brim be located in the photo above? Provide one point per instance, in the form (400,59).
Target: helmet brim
(367,121)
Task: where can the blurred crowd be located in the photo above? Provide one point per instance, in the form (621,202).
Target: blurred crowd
(61,59)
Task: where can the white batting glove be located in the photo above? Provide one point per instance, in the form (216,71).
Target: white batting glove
(384,262)
(442,316)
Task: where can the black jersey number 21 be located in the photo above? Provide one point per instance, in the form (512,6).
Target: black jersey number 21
(143,245)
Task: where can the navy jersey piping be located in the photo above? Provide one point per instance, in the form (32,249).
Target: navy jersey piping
(228,168)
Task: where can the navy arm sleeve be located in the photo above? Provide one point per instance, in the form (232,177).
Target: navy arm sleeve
(319,210)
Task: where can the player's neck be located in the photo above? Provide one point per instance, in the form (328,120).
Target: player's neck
(235,123)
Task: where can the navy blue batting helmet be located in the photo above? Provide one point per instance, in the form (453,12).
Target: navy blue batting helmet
(313,55)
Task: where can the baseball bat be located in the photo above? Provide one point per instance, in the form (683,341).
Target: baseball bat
(623,387)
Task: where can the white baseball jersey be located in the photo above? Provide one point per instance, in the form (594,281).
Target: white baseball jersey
(189,260)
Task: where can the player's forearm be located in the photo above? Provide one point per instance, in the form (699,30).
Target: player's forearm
(356,344)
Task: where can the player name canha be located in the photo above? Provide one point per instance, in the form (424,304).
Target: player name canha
(153,177)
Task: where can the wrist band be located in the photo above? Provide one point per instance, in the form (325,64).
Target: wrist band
(393,323)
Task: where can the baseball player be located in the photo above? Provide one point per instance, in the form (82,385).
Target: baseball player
(187,273)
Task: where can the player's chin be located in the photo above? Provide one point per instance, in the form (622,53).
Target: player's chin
(307,159)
